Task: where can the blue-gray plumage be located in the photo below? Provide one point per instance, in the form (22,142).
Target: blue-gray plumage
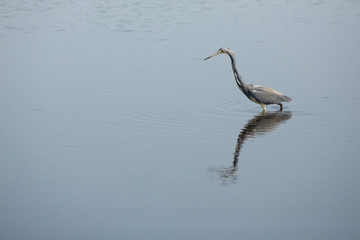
(258,94)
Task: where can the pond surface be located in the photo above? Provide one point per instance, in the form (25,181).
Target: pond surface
(112,126)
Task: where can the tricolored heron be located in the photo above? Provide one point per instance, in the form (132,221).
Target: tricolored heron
(258,94)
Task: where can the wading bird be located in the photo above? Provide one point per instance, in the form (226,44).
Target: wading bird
(258,94)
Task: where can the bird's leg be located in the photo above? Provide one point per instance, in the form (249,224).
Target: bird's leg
(280,106)
(263,107)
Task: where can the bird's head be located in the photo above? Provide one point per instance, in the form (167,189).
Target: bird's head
(222,51)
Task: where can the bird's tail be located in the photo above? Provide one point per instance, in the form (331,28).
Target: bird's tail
(287,99)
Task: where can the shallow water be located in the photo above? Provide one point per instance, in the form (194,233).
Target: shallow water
(114,128)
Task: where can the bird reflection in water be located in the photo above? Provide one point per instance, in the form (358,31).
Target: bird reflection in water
(257,126)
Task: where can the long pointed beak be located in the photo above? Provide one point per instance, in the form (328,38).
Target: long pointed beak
(217,53)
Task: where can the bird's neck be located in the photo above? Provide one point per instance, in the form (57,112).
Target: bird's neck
(239,81)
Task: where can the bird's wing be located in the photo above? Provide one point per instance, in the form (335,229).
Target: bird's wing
(267,95)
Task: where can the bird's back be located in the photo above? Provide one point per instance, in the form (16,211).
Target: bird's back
(265,95)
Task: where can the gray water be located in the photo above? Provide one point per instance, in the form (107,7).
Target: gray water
(112,126)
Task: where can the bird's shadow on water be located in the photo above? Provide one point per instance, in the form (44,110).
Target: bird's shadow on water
(258,125)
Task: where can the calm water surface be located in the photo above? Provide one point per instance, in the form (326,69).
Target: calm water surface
(112,126)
